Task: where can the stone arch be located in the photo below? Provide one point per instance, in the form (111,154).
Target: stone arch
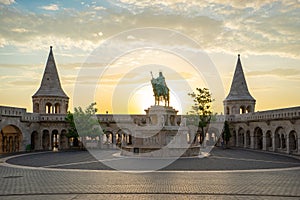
(249,109)
(248,139)
(214,135)
(108,139)
(63,140)
(293,141)
(10,139)
(242,109)
(269,140)
(279,138)
(118,139)
(48,108)
(57,108)
(283,141)
(34,140)
(46,140)
(129,139)
(258,138)
(233,139)
(241,137)
(54,139)
(277,141)
(126,135)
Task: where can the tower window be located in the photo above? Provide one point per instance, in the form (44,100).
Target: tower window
(242,110)
(48,108)
(248,110)
(57,108)
(227,110)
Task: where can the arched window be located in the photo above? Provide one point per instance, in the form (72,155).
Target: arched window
(242,109)
(227,110)
(249,109)
(48,108)
(293,141)
(57,108)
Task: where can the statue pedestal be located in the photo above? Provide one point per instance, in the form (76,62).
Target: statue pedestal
(163,137)
(162,116)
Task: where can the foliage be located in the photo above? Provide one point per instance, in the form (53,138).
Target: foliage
(28,147)
(72,131)
(226,132)
(84,122)
(201,111)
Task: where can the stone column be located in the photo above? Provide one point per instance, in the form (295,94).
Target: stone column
(252,145)
(287,144)
(50,141)
(298,145)
(245,140)
(236,138)
(1,142)
(114,140)
(273,142)
(58,140)
(41,141)
(264,140)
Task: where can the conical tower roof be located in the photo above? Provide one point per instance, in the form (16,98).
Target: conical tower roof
(239,89)
(50,85)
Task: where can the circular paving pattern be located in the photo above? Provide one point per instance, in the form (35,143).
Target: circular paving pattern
(226,174)
(219,160)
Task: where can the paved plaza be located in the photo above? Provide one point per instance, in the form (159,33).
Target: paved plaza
(225,174)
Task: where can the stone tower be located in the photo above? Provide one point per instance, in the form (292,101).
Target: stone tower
(239,100)
(50,97)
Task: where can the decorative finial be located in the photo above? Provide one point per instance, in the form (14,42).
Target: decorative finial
(51,47)
(238,55)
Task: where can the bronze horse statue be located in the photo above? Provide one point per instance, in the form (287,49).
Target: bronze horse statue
(160,89)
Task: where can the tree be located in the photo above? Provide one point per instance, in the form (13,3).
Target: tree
(201,109)
(72,131)
(226,133)
(84,123)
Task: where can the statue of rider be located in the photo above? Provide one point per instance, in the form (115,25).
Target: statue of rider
(160,88)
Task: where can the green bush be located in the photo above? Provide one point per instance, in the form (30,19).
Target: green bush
(28,147)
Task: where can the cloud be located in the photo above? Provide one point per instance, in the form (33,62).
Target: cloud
(280,72)
(52,7)
(269,27)
(7,2)
(99,8)
(19,30)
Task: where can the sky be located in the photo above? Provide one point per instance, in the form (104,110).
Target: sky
(110,47)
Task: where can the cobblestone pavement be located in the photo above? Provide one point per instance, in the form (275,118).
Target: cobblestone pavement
(229,159)
(41,183)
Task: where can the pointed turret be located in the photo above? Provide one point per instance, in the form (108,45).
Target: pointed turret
(50,97)
(239,99)
(50,85)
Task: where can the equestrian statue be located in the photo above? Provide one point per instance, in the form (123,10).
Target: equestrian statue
(160,89)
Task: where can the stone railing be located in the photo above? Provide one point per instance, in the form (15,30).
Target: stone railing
(30,117)
(120,118)
(53,117)
(287,113)
(11,111)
